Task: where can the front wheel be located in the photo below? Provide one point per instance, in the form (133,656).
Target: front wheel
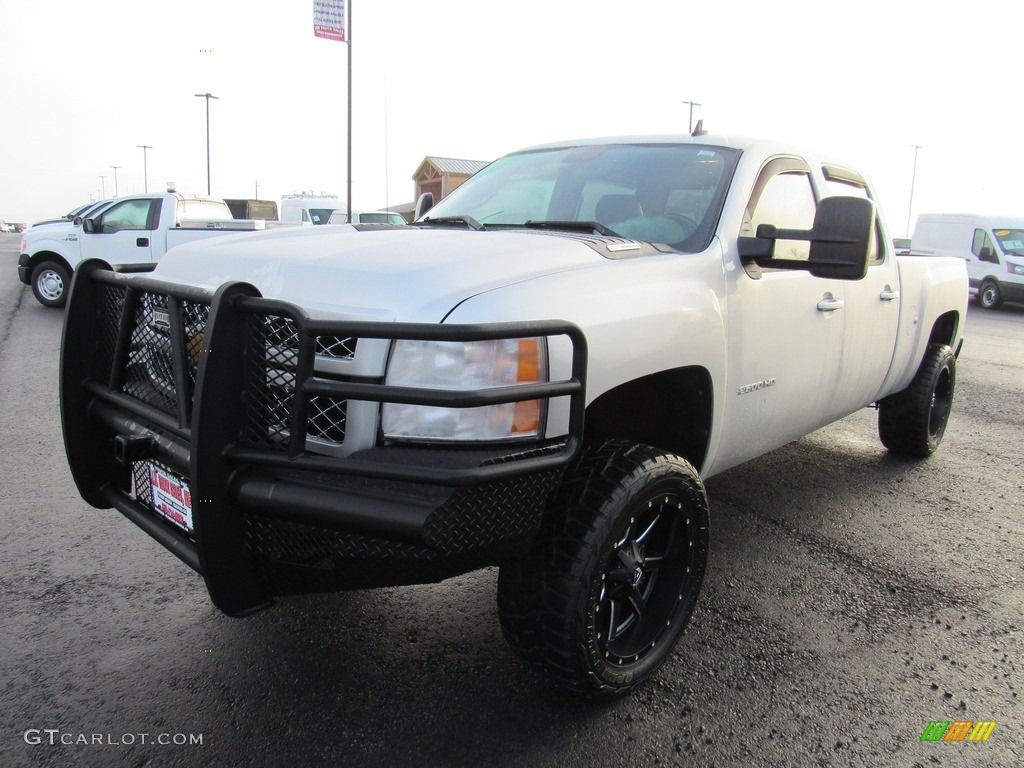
(989,296)
(50,284)
(912,422)
(621,569)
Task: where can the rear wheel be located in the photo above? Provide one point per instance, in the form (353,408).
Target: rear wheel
(989,296)
(912,422)
(617,577)
(50,283)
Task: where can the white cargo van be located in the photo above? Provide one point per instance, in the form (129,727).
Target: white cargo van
(992,246)
(312,209)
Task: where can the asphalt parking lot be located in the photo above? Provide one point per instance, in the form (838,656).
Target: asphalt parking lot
(850,600)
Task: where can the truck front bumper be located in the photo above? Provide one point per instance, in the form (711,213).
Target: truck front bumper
(269,517)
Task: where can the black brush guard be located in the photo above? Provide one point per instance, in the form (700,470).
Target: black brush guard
(269,517)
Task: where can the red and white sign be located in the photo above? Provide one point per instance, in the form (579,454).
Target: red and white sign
(172,498)
(329,19)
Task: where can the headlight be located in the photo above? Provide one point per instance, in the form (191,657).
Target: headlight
(1014,269)
(461,366)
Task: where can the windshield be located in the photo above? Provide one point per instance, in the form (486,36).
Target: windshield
(660,193)
(320,215)
(1010,240)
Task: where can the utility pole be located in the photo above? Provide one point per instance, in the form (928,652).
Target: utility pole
(913,177)
(348,41)
(115,167)
(207,96)
(145,173)
(692,105)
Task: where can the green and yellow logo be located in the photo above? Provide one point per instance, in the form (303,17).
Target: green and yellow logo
(958,730)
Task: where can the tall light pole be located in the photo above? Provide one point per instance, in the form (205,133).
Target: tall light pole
(145,172)
(913,177)
(207,96)
(115,167)
(103,182)
(692,105)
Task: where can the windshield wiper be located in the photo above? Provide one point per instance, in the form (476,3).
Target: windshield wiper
(469,221)
(576,226)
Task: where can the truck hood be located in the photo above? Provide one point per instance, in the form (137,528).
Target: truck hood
(412,274)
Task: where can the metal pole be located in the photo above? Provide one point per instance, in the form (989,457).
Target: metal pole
(692,105)
(103,181)
(348,35)
(913,177)
(115,167)
(145,172)
(207,96)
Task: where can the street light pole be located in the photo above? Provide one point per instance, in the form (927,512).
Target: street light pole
(692,105)
(913,177)
(207,96)
(103,182)
(115,167)
(145,172)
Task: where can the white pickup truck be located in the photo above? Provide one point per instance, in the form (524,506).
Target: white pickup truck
(536,375)
(134,231)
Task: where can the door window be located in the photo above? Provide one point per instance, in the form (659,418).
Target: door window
(982,247)
(130,214)
(787,202)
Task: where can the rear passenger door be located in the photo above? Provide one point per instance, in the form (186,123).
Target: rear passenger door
(872,308)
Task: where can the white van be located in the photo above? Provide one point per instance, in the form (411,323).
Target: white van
(368,217)
(311,209)
(992,246)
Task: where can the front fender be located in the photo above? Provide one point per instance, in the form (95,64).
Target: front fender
(50,246)
(640,316)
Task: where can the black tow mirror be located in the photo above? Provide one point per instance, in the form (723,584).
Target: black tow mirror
(89,225)
(423,204)
(843,228)
(840,241)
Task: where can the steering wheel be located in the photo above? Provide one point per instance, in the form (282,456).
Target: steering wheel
(688,224)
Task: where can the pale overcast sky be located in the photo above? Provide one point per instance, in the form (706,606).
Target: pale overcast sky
(85,83)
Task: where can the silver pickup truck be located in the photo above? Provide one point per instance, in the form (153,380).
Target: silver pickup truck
(537,375)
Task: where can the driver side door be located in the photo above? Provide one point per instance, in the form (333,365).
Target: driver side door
(123,233)
(785,328)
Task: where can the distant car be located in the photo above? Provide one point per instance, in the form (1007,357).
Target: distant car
(5,227)
(367,217)
(901,245)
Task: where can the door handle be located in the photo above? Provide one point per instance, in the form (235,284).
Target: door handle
(888,294)
(142,242)
(830,303)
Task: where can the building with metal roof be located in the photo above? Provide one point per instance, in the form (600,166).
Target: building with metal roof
(440,175)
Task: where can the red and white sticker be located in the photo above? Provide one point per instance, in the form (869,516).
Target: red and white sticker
(171,497)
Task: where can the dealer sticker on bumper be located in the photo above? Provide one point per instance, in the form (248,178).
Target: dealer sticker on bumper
(171,497)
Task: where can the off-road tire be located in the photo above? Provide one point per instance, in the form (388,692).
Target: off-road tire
(912,422)
(50,284)
(625,546)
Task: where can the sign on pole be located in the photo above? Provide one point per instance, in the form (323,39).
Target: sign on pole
(329,19)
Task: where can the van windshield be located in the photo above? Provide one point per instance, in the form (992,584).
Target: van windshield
(659,193)
(320,215)
(1010,240)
